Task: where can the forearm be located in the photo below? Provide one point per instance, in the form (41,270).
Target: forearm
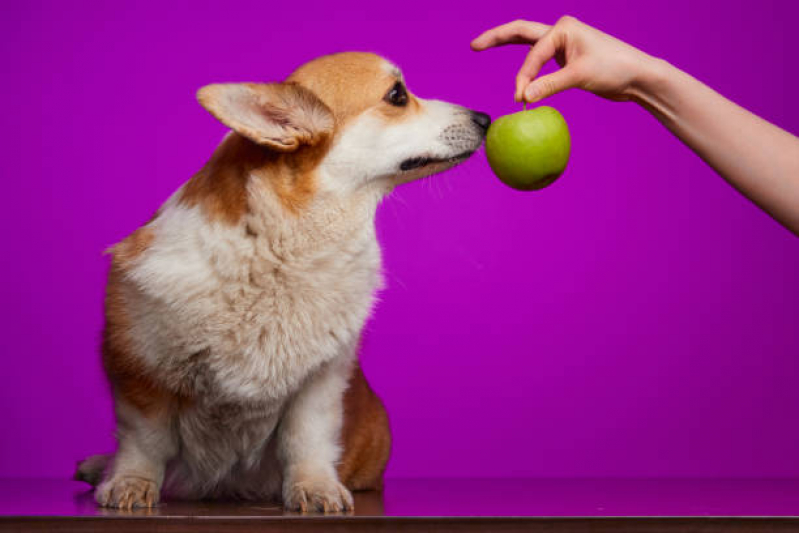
(754,156)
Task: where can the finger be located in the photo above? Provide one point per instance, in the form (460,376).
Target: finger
(516,32)
(546,86)
(545,49)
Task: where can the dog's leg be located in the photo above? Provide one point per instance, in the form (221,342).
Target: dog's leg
(309,442)
(146,443)
(365,436)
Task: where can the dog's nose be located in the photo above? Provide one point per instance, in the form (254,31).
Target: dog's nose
(481,119)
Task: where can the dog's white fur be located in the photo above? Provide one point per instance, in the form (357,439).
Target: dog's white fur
(261,318)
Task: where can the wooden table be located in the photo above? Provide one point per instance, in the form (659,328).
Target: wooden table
(553,505)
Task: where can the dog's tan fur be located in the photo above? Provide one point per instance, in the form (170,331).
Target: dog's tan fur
(366,437)
(349,85)
(233,315)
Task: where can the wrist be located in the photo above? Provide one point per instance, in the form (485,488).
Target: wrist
(649,78)
(650,87)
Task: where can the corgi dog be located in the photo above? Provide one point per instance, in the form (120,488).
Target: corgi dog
(232,317)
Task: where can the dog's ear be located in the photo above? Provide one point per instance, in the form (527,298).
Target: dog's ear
(281,116)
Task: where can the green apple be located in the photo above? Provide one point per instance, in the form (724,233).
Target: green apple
(529,150)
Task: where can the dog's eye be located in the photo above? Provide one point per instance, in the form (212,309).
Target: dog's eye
(397,96)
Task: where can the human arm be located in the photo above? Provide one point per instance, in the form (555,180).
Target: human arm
(756,157)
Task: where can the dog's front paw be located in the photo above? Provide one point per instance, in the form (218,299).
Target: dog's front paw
(127,492)
(317,494)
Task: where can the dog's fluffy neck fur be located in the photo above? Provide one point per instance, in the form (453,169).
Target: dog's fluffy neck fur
(270,189)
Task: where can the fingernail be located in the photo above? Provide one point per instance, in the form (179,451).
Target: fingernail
(531,94)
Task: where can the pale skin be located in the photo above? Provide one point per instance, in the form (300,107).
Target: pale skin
(756,157)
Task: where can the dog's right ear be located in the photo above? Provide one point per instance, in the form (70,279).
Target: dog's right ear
(281,116)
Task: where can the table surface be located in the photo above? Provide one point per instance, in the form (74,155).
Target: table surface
(552,505)
(462,497)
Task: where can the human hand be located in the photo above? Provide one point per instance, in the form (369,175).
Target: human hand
(589,59)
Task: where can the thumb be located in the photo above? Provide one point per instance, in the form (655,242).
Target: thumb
(546,86)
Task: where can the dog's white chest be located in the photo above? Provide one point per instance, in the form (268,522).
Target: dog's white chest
(288,321)
(226,315)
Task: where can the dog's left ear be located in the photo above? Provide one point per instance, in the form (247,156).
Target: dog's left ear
(281,116)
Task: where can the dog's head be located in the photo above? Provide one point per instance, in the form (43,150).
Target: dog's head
(352,119)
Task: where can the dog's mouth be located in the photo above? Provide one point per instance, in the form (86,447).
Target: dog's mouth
(419,162)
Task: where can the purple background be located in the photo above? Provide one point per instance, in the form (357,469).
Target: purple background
(637,318)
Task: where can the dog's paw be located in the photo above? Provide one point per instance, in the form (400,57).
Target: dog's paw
(326,495)
(127,492)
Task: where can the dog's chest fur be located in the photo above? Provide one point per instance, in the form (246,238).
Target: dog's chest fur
(237,316)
